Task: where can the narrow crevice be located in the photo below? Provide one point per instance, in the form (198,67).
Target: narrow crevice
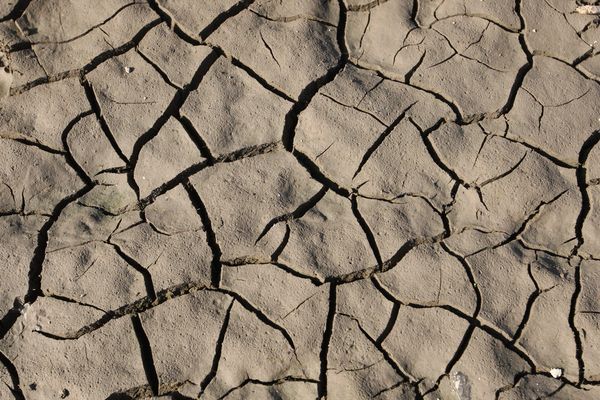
(117,51)
(366,6)
(504,174)
(519,79)
(286,237)
(258,314)
(249,260)
(493,332)
(298,213)
(269,48)
(176,102)
(89,30)
(356,108)
(92,65)
(386,355)
(307,94)
(14,377)
(253,74)
(408,76)
(247,152)
(137,307)
(528,306)
(150,292)
(315,172)
(433,153)
(146,352)
(552,158)
(224,16)
(366,229)
(313,279)
(292,18)
(39,254)
(218,351)
(72,301)
(327,333)
(157,68)
(36,144)
(381,138)
(17,90)
(390,324)
(93,100)
(172,23)
(68,155)
(515,234)
(462,347)
(387,265)
(250,381)
(211,238)
(195,137)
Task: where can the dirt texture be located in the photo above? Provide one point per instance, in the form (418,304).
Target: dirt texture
(299,199)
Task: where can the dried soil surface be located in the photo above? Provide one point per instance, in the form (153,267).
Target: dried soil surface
(299,199)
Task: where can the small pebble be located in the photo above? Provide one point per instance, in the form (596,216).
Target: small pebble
(556,372)
(129,69)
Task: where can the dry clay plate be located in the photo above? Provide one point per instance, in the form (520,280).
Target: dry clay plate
(300,199)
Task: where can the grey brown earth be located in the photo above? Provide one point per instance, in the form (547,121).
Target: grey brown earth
(299,199)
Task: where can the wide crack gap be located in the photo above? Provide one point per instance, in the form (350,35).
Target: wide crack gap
(581,175)
(146,353)
(195,136)
(15,390)
(327,333)
(573,326)
(364,225)
(211,238)
(310,91)
(17,11)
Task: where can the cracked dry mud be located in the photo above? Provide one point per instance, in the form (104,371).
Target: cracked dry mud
(299,199)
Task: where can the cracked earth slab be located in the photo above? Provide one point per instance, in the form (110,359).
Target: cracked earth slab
(299,199)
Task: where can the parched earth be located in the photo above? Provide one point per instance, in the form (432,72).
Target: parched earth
(299,199)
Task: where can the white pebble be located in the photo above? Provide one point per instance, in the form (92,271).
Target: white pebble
(556,372)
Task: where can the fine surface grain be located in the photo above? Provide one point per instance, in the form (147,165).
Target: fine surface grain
(299,199)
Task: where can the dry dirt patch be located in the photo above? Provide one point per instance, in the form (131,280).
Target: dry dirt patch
(299,199)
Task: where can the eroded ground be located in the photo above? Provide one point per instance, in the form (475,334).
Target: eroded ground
(299,199)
